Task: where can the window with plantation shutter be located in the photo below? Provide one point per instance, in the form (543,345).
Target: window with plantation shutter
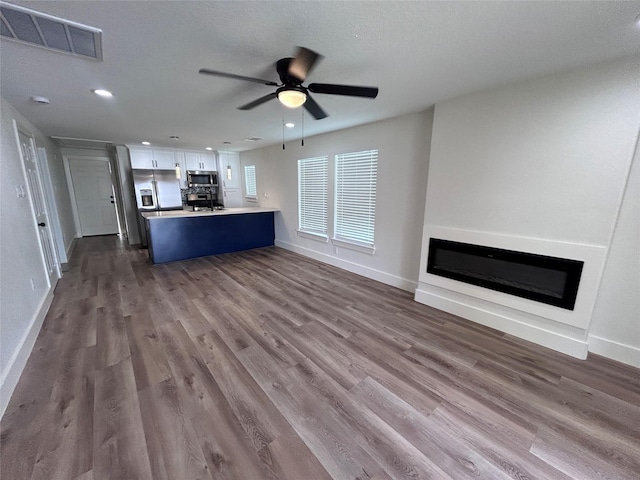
(355,198)
(312,196)
(250,182)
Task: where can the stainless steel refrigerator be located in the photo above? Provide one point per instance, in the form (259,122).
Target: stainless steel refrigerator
(155,190)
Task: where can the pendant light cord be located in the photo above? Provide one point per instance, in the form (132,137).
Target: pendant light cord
(282,112)
(302,140)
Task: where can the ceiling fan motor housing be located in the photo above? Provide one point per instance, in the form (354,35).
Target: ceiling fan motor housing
(282,67)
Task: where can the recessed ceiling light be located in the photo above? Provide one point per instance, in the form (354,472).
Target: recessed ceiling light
(289,125)
(40,100)
(146,143)
(103,93)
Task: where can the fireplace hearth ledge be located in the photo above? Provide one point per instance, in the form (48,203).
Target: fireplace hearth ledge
(547,337)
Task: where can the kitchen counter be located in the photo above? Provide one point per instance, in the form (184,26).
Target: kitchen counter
(183,234)
(190,213)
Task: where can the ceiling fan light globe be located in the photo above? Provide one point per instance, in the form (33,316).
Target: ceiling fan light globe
(292,98)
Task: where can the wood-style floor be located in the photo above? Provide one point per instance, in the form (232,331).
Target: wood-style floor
(266,364)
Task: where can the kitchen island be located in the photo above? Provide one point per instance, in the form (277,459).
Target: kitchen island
(182,234)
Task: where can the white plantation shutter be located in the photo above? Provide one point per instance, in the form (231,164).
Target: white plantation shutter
(355,197)
(250,181)
(312,195)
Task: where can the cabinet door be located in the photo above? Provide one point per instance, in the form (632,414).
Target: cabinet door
(180,160)
(163,160)
(141,158)
(208,162)
(230,160)
(192,161)
(232,197)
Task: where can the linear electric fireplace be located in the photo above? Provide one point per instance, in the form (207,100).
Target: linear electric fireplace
(545,279)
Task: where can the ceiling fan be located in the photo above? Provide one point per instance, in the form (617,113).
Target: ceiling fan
(291,92)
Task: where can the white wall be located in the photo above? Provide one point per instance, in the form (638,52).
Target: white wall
(535,166)
(22,308)
(128,195)
(615,331)
(60,191)
(403,145)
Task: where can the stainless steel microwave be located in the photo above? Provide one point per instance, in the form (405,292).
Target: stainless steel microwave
(199,178)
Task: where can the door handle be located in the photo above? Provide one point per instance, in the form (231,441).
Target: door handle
(42,224)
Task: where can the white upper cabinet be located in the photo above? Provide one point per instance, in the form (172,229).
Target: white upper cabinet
(141,158)
(192,161)
(160,159)
(209,162)
(164,160)
(200,161)
(152,159)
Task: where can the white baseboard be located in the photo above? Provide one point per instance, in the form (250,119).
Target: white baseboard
(71,246)
(546,338)
(11,374)
(616,351)
(368,272)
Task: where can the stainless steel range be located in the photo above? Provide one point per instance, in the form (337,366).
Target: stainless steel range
(200,202)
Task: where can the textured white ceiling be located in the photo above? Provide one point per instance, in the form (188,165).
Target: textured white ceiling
(417,53)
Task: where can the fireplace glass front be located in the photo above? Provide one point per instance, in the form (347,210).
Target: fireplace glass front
(541,278)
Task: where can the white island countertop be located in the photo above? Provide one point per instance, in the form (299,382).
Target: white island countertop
(190,213)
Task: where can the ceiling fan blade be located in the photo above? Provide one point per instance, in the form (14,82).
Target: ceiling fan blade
(349,90)
(314,109)
(304,61)
(206,71)
(259,101)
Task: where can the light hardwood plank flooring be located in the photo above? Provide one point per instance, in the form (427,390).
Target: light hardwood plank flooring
(269,365)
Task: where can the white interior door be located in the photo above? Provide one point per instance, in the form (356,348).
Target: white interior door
(29,160)
(95,202)
(52,209)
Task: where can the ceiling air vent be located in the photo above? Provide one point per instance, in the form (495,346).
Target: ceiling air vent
(35,28)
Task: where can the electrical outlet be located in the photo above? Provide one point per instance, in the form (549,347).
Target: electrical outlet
(18,192)
(266,195)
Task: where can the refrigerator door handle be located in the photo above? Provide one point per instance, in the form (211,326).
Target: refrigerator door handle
(154,184)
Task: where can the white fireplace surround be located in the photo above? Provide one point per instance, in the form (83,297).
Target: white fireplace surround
(554,327)
(593,257)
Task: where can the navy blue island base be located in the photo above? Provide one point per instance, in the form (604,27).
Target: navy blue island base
(180,238)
